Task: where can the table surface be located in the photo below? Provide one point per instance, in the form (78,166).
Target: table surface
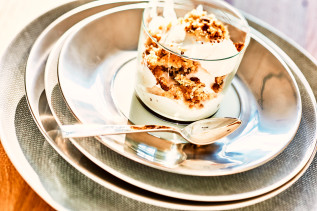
(297,20)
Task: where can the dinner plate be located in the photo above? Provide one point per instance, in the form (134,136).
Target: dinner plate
(49,175)
(207,189)
(97,80)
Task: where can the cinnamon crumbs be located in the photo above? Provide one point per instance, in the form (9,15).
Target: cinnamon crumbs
(205,26)
(239,46)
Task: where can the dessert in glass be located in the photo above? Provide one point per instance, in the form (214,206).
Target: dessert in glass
(188,56)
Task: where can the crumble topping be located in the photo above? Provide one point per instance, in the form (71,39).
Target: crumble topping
(156,56)
(170,72)
(205,26)
(239,46)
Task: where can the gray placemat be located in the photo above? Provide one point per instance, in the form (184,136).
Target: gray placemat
(71,189)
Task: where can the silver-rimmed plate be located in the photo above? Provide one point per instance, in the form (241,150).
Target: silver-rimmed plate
(97,81)
(207,189)
(65,188)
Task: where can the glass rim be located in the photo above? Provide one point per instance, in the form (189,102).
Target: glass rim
(225,4)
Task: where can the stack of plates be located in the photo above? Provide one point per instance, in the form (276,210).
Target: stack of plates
(81,68)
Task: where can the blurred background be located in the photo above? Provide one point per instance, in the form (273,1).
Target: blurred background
(295,18)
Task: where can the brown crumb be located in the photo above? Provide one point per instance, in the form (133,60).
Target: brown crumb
(239,46)
(218,85)
(195,79)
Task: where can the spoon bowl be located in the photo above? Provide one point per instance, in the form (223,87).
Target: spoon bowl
(208,131)
(201,132)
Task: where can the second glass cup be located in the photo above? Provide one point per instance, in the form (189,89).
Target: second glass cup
(188,56)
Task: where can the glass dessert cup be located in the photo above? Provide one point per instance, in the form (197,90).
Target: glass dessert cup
(188,58)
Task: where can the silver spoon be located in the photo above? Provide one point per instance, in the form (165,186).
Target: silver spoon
(201,132)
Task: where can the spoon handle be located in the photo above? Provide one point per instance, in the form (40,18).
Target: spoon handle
(86,130)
